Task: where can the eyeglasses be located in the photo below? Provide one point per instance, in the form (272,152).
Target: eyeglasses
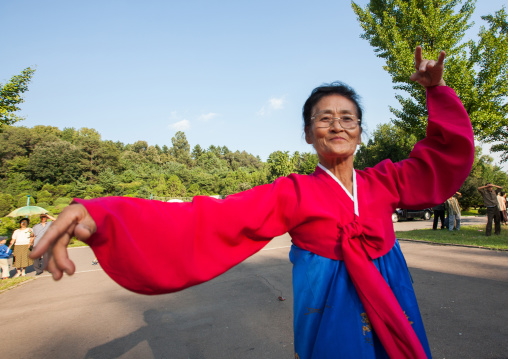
(347,122)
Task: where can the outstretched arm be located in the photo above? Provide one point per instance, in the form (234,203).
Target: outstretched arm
(155,247)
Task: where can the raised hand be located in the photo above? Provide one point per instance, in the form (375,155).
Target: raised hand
(74,221)
(428,72)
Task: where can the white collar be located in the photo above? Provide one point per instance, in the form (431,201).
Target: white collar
(354,196)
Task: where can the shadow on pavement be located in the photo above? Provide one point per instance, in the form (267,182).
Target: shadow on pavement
(228,317)
(464,317)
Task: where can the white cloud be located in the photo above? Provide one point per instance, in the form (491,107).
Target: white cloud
(277,103)
(208,116)
(273,104)
(180,125)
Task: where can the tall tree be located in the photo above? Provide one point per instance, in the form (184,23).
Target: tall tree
(180,149)
(197,152)
(476,70)
(11,96)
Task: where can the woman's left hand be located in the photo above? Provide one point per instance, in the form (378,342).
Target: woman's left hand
(428,73)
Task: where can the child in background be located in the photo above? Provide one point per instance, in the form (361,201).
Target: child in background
(5,253)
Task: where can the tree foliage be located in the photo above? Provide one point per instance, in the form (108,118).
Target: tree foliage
(387,142)
(53,166)
(478,71)
(11,96)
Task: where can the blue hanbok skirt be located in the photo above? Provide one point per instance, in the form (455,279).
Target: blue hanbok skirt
(329,318)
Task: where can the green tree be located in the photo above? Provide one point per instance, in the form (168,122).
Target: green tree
(11,96)
(279,164)
(211,164)
(387,142)
(153,155)
(14,141)
(44,196)
(6,204)
(492,54)
(108,181)
(175,188)
(15,183)
(55,162)
(197,151)
(483,171)
(476,70)
(180,150)
(308,163)
(18,164)
(140,146)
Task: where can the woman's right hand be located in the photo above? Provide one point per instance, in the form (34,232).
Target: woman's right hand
(74,221)
(428,73)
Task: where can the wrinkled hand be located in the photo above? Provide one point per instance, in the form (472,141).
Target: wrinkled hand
(428,72)
(73,221)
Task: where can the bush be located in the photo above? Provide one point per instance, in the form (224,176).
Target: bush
(482,211)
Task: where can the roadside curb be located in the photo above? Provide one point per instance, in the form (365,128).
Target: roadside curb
(17,285)
(452,244)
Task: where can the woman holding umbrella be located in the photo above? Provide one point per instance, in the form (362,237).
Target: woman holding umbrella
(22,239)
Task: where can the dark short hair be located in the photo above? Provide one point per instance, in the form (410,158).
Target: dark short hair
(25,219)
(334,88)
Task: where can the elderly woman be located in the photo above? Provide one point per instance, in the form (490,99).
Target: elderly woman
(353,296)
(22,239)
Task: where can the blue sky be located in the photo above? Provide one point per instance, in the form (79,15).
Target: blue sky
(233,73)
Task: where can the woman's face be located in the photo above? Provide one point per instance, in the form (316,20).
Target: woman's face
(333,142)
(23,224)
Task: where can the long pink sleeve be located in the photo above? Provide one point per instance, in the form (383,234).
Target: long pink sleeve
(440,163)
(153,247)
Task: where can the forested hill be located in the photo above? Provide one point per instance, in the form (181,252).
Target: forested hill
(53,166)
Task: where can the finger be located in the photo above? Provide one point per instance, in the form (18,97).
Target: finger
(66,222)
(430,65)
(51,236)
(440,59)
(415,76)
(56,272)
(423,65)
(418,57)
(61,256)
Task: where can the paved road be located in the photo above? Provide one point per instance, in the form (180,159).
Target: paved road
(462,294)
(422,224)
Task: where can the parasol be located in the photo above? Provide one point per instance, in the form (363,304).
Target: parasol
(27,211)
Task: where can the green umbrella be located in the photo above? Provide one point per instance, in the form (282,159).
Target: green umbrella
(27,211)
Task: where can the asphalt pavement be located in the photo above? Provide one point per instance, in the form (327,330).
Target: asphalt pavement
(245,313)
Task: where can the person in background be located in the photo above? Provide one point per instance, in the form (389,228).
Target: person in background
(439,213)
(5,253)
(502,206)
(453,212)
(39,230)
(22,239)
(492,204)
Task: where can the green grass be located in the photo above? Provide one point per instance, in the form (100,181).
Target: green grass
(470,212)
(468,235)
(76,243)
(12,282)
